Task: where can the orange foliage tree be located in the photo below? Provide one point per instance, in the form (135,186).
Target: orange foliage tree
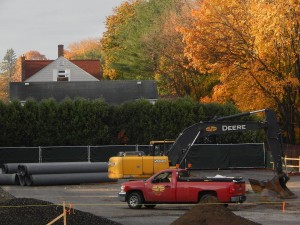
(89,48)
(30,55)
(34,55)
(173,73)
(254,47)
(16,76)
(4,87)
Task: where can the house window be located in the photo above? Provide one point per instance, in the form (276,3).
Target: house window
(62,75)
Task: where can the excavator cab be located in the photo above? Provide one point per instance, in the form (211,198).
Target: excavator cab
(159,148)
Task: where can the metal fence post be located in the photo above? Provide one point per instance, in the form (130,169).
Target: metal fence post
(89,153)
(40,155)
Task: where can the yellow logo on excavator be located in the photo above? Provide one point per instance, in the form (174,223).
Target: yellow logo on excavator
(158,189)
(211,129)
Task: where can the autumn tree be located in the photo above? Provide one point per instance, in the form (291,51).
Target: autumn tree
(126,55)
(142,42)
(254,47)
(34,55)
(114,37)
(30,55)
(4,87)
(85,49)
(173,73)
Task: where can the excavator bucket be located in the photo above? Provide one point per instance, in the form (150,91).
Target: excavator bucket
(277,185)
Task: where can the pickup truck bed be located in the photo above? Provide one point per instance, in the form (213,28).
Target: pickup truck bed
(212,179)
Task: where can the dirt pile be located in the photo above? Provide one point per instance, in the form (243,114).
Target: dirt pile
(211,215)
(27,211)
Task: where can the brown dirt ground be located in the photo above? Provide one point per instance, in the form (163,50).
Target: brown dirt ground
(211,214)
(28,211)
(208,214)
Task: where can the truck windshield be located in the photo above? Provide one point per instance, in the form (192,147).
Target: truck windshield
(163,177)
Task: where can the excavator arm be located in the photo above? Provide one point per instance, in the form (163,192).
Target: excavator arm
(184,142)
(187,138)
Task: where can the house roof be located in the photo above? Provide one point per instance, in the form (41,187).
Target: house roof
(90,66)
(31,67)
(111,91)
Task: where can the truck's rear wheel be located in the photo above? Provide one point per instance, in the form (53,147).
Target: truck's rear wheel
(135,200)
(209,198)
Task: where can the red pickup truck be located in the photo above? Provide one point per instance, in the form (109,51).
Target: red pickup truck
(177,186)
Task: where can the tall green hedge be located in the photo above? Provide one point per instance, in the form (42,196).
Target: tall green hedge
(86,122)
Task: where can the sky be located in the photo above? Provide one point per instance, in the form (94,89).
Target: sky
(42,25)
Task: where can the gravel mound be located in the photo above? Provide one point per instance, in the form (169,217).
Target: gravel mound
(211,215)
(28,211)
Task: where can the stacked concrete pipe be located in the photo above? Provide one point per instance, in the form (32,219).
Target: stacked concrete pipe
(9,179)
(56,173)
(62,168)
(10,168)
(8,175)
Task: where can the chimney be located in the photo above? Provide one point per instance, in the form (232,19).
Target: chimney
(60,50)
(23,72)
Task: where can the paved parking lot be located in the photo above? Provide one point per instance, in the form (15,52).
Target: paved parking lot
(101,199)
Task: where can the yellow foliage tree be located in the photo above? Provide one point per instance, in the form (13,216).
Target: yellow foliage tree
(254,47)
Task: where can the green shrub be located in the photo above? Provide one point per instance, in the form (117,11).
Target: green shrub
(93,122)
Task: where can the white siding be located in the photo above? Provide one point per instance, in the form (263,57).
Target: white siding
(49,72)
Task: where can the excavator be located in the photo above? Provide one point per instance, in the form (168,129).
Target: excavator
(138,165)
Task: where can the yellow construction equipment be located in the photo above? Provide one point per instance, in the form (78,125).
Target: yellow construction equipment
(137,164)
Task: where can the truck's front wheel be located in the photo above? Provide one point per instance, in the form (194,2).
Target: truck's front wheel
(135,200)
